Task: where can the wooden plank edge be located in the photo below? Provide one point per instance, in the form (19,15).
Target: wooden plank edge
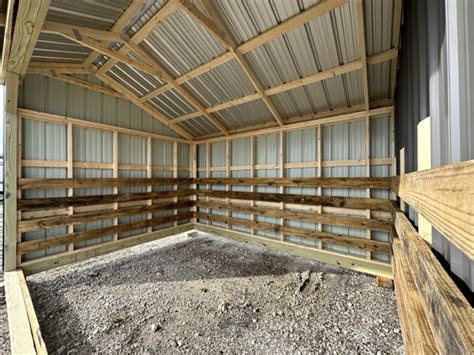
(352,263)
(40,346)
(21,340)
(54,261)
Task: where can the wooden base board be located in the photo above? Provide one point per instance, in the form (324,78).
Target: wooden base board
(25,333)
(384,282)
(353,263)
(53,261)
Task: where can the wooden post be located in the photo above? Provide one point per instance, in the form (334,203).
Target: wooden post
(252,174)
(10,163)
(175,175)
(115,174)
(282,174)
(208,172)
(19,175)
(320,174)
(193,161)
(70,174)
(367,174)
(228,164)
(149,174)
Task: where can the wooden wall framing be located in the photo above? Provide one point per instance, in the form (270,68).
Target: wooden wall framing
(236,201)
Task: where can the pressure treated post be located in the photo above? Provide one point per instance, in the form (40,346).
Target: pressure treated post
(10,162)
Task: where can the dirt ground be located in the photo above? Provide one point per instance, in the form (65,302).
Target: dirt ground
(4,338)
(208,294)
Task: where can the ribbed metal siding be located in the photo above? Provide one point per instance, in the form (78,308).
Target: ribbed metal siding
(52,96)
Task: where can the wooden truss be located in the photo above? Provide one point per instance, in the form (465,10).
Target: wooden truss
(131,52)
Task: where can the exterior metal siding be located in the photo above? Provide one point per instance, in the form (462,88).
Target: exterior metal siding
(435,80)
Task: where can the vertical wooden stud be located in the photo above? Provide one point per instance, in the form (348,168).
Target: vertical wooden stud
(281,175)
(208,173)
(252,174)
(115,174)
(320,174)
(149,175)
(228,143)
(70,174)
(193,160)
(367,174)
(175,175)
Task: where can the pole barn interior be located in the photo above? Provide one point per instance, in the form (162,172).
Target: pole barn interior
(334,130)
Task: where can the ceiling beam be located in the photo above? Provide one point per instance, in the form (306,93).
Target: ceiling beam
(323,75)
(360,26)
(58,67)
(255,42)
(85,84)
(216,26)
(28,23)
(291,23)
(148,27)
(133,9)
(131,96)
(323,118)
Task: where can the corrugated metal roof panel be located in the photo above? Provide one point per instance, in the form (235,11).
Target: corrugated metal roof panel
(137,80)
(247,19)
(249,114)
(100,14)
(378,25)
(53,47)
(379,81)
(180,44)
(199,126)
(221,84)
(143,16)
(171,104)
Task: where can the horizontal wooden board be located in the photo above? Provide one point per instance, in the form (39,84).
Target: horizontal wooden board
(25,184)
(417,335)
(332,201)
(312,217)
(40,244)
(21,339)
(87,217)
(356,182)
(444,196)
(338,239)
(75,201)
(447,310)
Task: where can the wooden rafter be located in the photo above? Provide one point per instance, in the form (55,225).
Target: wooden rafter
(395,44)
(86,84)
(46,68)
(323,75)
(118,26)
(134,99)
(28,23)
(360,25)
(216,26)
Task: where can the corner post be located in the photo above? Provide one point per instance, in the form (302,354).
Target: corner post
(10,178)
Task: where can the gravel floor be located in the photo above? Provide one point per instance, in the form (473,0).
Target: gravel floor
(4,337)
(209,294)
